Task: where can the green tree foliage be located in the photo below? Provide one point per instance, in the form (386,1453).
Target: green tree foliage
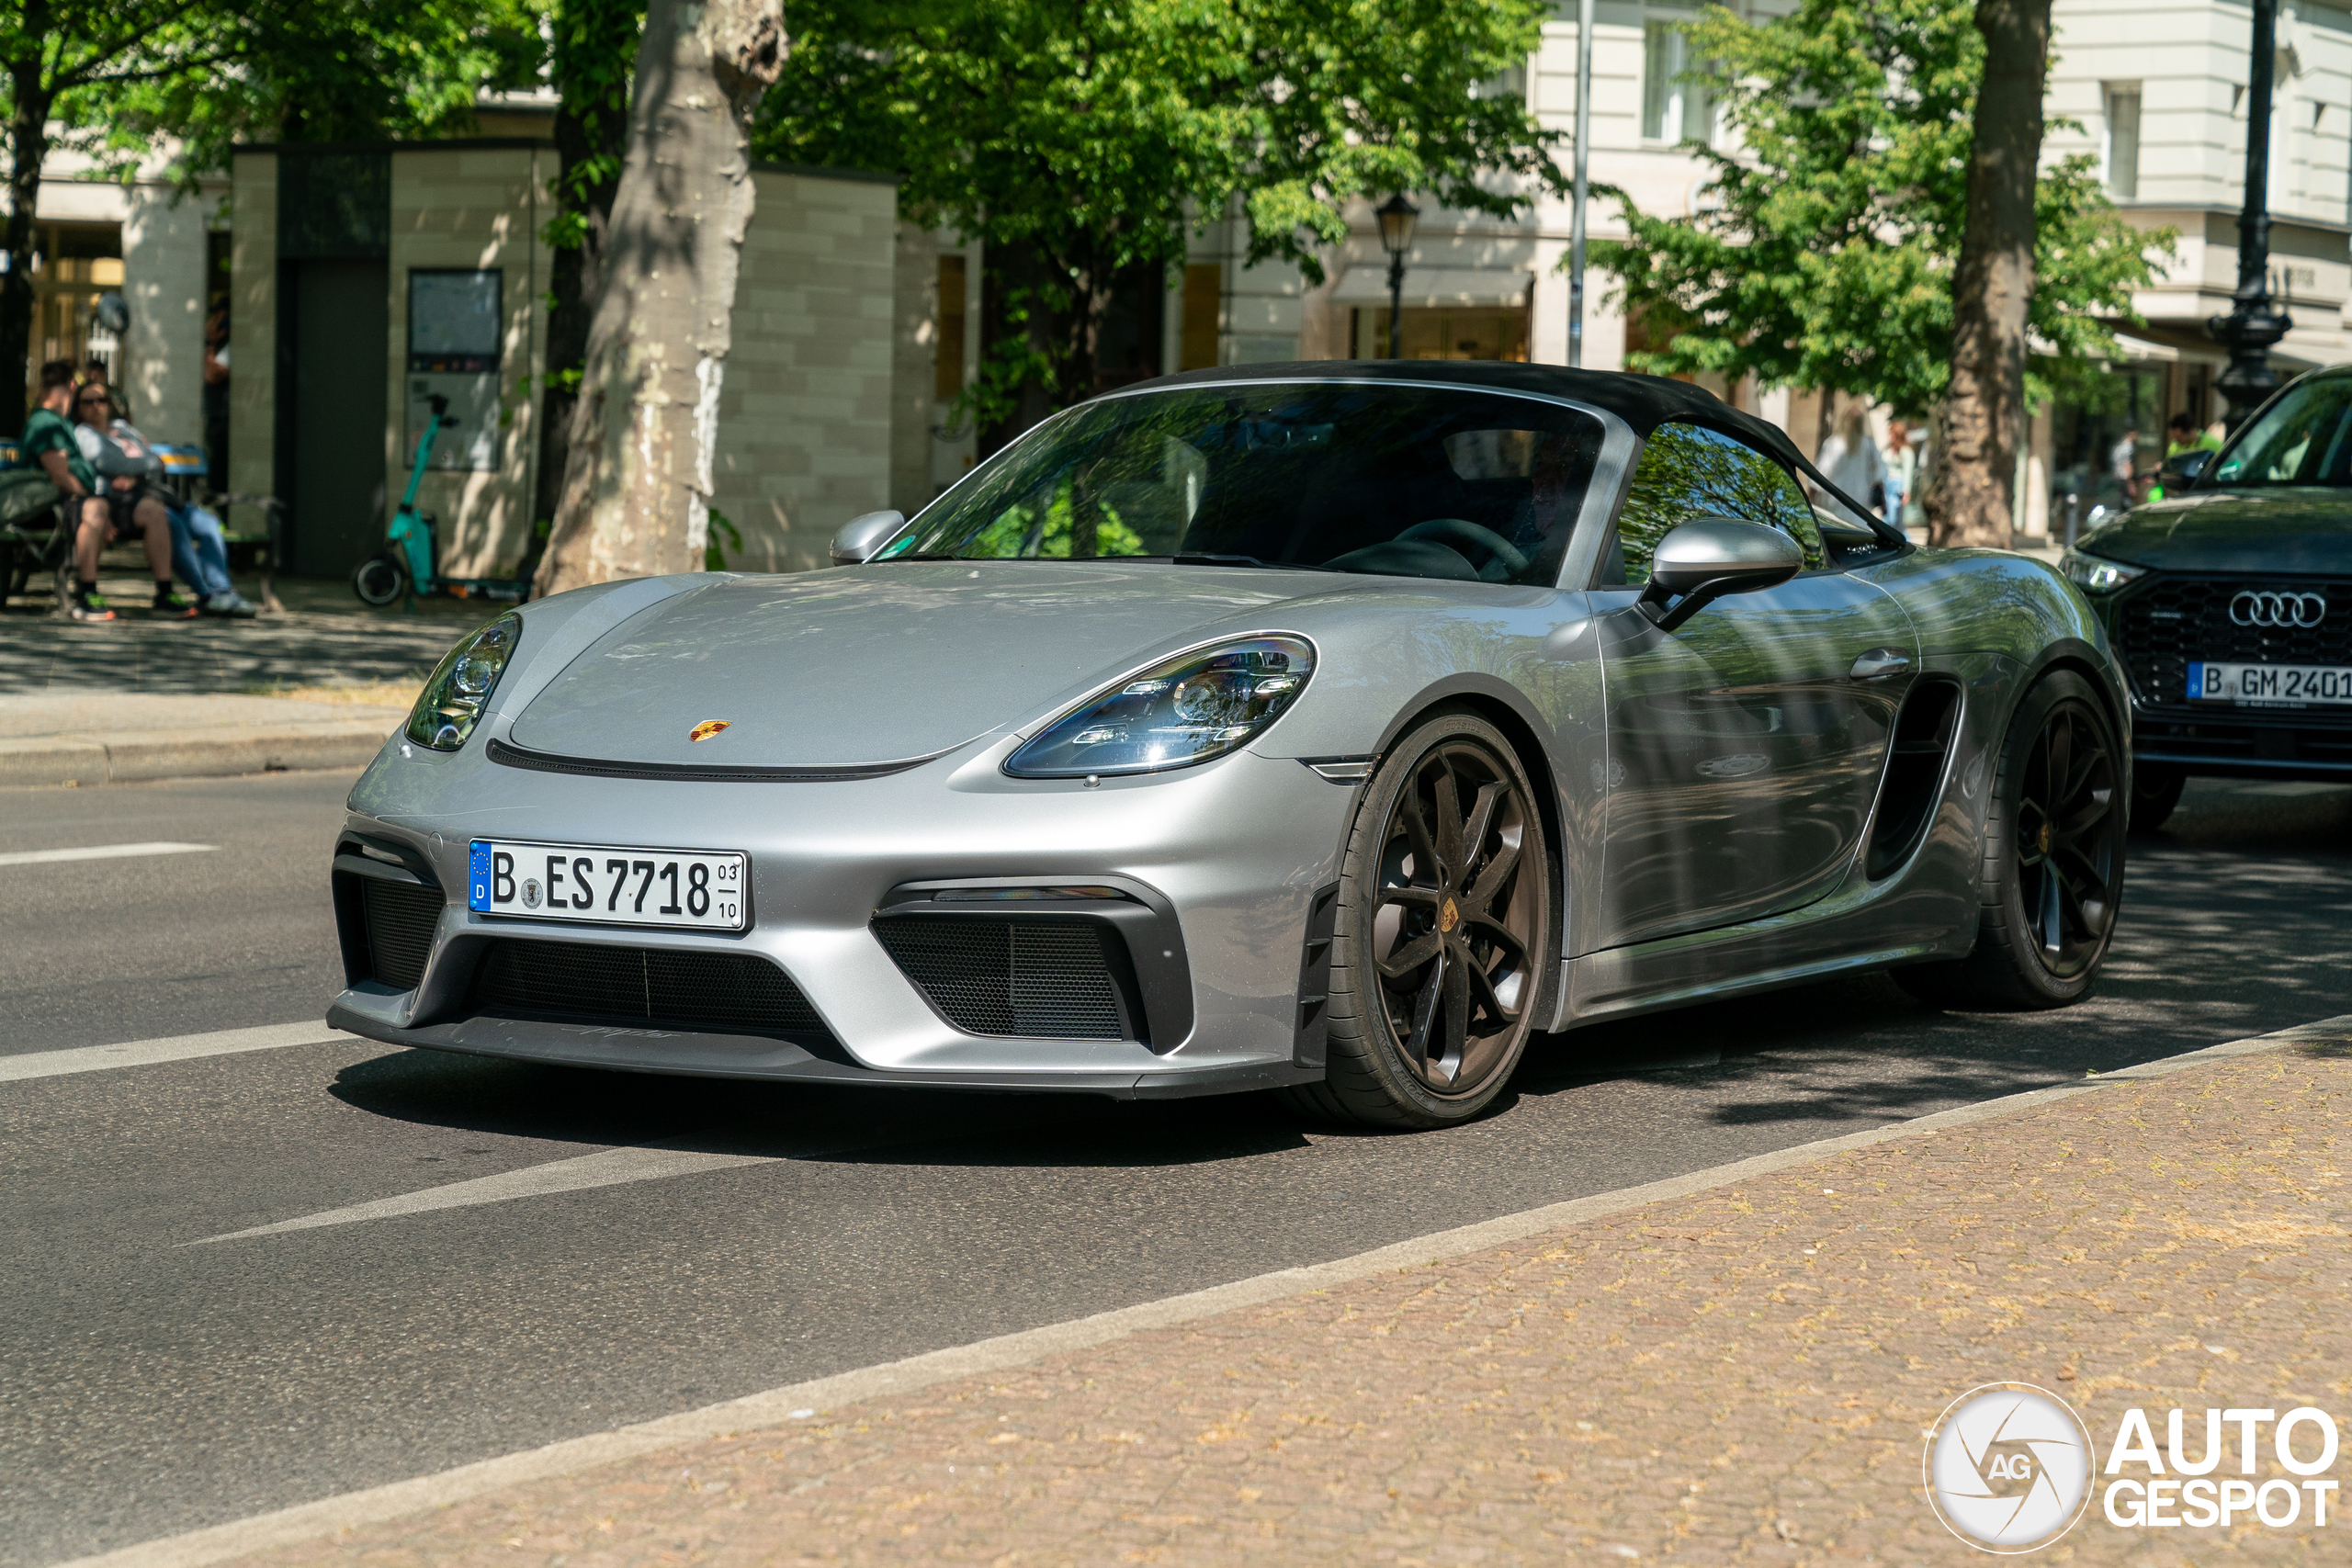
(1824,253)
(1077,138)
(121,79)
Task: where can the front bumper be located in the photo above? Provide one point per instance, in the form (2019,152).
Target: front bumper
(1231,855)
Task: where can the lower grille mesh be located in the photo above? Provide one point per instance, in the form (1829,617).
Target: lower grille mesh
(401,918)
(1048,979)
(591,983)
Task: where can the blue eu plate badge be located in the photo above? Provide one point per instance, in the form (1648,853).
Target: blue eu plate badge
(478,875)
(2196,683)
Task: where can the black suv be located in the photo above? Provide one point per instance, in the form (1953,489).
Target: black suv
(2231,602)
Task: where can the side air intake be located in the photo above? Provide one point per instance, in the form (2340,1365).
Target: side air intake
(1923,735)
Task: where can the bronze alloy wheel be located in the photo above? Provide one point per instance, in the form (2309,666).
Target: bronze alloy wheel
(1446,928)
(2068,839)
(2053,859)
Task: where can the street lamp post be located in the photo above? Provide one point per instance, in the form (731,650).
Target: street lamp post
(1397,217)
(1583,185)
(2254,322)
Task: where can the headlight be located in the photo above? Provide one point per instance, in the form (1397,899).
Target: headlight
(1197,705)
(459,695)
(2093,575)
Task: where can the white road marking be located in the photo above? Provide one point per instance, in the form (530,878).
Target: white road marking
(332,1515)
(102,852)
(608,1168)
(177,1048)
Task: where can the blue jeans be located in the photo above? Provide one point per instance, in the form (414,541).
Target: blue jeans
(199,553)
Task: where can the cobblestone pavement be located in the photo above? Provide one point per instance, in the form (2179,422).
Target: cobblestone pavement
(1743,1376)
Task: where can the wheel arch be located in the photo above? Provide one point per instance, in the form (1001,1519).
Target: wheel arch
(2095,667)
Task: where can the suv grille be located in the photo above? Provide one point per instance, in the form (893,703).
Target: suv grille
(1045,980)
(2172,620)
(581,982)
(400,916)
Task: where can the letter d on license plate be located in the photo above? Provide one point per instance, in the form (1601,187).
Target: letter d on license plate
(608,884)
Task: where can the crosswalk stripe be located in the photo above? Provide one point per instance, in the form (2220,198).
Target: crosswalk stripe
(176,1048)
(102,851)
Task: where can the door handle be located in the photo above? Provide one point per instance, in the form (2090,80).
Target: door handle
(1879,663)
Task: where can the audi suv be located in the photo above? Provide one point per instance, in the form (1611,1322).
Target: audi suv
(2231,602)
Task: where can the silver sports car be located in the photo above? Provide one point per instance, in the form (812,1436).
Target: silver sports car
(1326,728)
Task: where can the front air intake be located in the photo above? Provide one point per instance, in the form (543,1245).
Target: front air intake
(400,916)
(1052,979)
(659,988)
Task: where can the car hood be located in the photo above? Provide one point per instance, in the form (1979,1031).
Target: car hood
(2290,531)
(877,664)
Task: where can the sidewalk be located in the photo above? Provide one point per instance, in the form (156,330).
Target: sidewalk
(1743,1375)
(317,686)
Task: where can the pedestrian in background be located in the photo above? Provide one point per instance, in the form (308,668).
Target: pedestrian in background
(1901,466)
(1850,458)
(2123,462)
(2181,435)
(127,460)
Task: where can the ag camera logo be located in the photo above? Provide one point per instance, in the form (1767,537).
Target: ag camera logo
(2008,1467)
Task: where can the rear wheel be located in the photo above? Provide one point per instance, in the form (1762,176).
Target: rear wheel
(1445,935)
(2053,859)
(2156,791)
(380,580)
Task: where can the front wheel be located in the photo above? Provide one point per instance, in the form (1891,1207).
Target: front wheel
(380,580)
(2053,859)
(1446,933)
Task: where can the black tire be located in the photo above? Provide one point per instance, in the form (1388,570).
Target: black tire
(2156,791)
(380,580)
(2052,873)
(1439,970)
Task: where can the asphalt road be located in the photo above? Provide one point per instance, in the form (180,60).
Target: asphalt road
(152,1379)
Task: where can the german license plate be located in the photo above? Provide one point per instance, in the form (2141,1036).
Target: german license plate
(606,884)
(2270,682)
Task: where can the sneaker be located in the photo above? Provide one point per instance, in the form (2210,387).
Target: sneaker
(172,605)
(230,604)
(88,607)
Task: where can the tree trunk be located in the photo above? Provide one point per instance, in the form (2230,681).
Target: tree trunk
(638,482)
(594,42)
(1982,418)
(28,150)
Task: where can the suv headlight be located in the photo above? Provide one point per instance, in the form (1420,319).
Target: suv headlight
(2094,575)
(1197,705)
(458,695)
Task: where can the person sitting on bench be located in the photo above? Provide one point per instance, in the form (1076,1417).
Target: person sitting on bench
(132,471)
(49,445)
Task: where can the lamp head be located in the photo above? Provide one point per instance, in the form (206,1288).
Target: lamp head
(1397,219)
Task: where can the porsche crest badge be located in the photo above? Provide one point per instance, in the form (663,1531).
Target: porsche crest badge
(708,728)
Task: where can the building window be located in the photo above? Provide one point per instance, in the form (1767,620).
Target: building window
(947,354)
(1672,109)
(2123,140)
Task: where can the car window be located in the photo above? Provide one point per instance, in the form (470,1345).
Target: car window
(1687,471)
(1399,481)
(2304,438)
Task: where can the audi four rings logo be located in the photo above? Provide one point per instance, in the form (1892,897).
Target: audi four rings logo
(2253,608)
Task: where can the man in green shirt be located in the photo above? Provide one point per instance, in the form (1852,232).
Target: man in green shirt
(50,446)
(2182,435)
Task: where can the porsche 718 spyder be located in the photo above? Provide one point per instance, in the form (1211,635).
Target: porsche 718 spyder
(1326,728)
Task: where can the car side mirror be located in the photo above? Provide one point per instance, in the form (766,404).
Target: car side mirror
(856,540)
(2186,465)
(1706,557)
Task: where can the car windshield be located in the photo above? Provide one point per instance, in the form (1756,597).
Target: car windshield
(1404,480)
(2304,438)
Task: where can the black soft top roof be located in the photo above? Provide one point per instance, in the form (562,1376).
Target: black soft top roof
(1644,402)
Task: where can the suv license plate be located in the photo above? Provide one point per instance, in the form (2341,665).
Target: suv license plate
(608,886)
(2295,683)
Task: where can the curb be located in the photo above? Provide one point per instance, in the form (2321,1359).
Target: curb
(135,756)
(331,1516)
